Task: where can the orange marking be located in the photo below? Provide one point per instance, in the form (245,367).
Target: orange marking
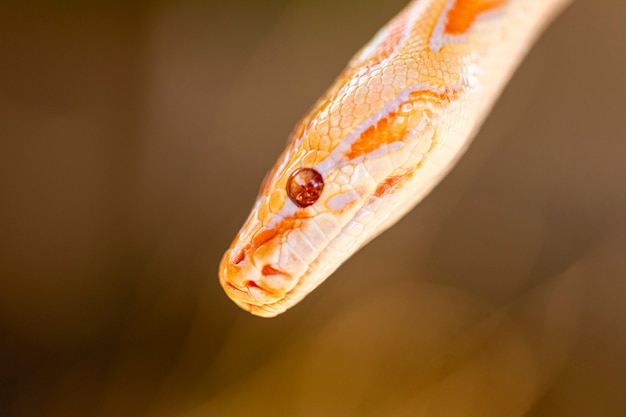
(264,235)
(393,128)
(389,185)
(464,12)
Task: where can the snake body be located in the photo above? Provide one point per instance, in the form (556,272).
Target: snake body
(384,134)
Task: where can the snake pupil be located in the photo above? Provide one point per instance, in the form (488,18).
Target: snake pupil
(305,186)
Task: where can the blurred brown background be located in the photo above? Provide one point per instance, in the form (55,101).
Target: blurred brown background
(133,140)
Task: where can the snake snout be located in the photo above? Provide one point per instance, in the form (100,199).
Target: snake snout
(254,285)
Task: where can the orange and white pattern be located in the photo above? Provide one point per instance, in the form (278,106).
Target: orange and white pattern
(385,133)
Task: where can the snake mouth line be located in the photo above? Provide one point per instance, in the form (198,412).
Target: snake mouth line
(245,292)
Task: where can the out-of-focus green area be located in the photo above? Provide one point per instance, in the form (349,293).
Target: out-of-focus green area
(133,140)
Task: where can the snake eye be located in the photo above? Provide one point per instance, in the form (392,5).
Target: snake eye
(305,186)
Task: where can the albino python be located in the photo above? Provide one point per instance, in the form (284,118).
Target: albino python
(390,127)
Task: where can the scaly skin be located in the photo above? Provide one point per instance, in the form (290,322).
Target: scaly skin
(385,133)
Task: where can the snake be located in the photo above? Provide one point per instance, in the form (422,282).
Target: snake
(390,127)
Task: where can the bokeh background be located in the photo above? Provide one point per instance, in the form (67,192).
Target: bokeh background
(133,140)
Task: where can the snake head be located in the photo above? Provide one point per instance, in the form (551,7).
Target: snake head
(341,181)
(373,146)
(391,126)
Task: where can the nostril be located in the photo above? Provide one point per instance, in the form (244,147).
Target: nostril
(238,258)
(270,270)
